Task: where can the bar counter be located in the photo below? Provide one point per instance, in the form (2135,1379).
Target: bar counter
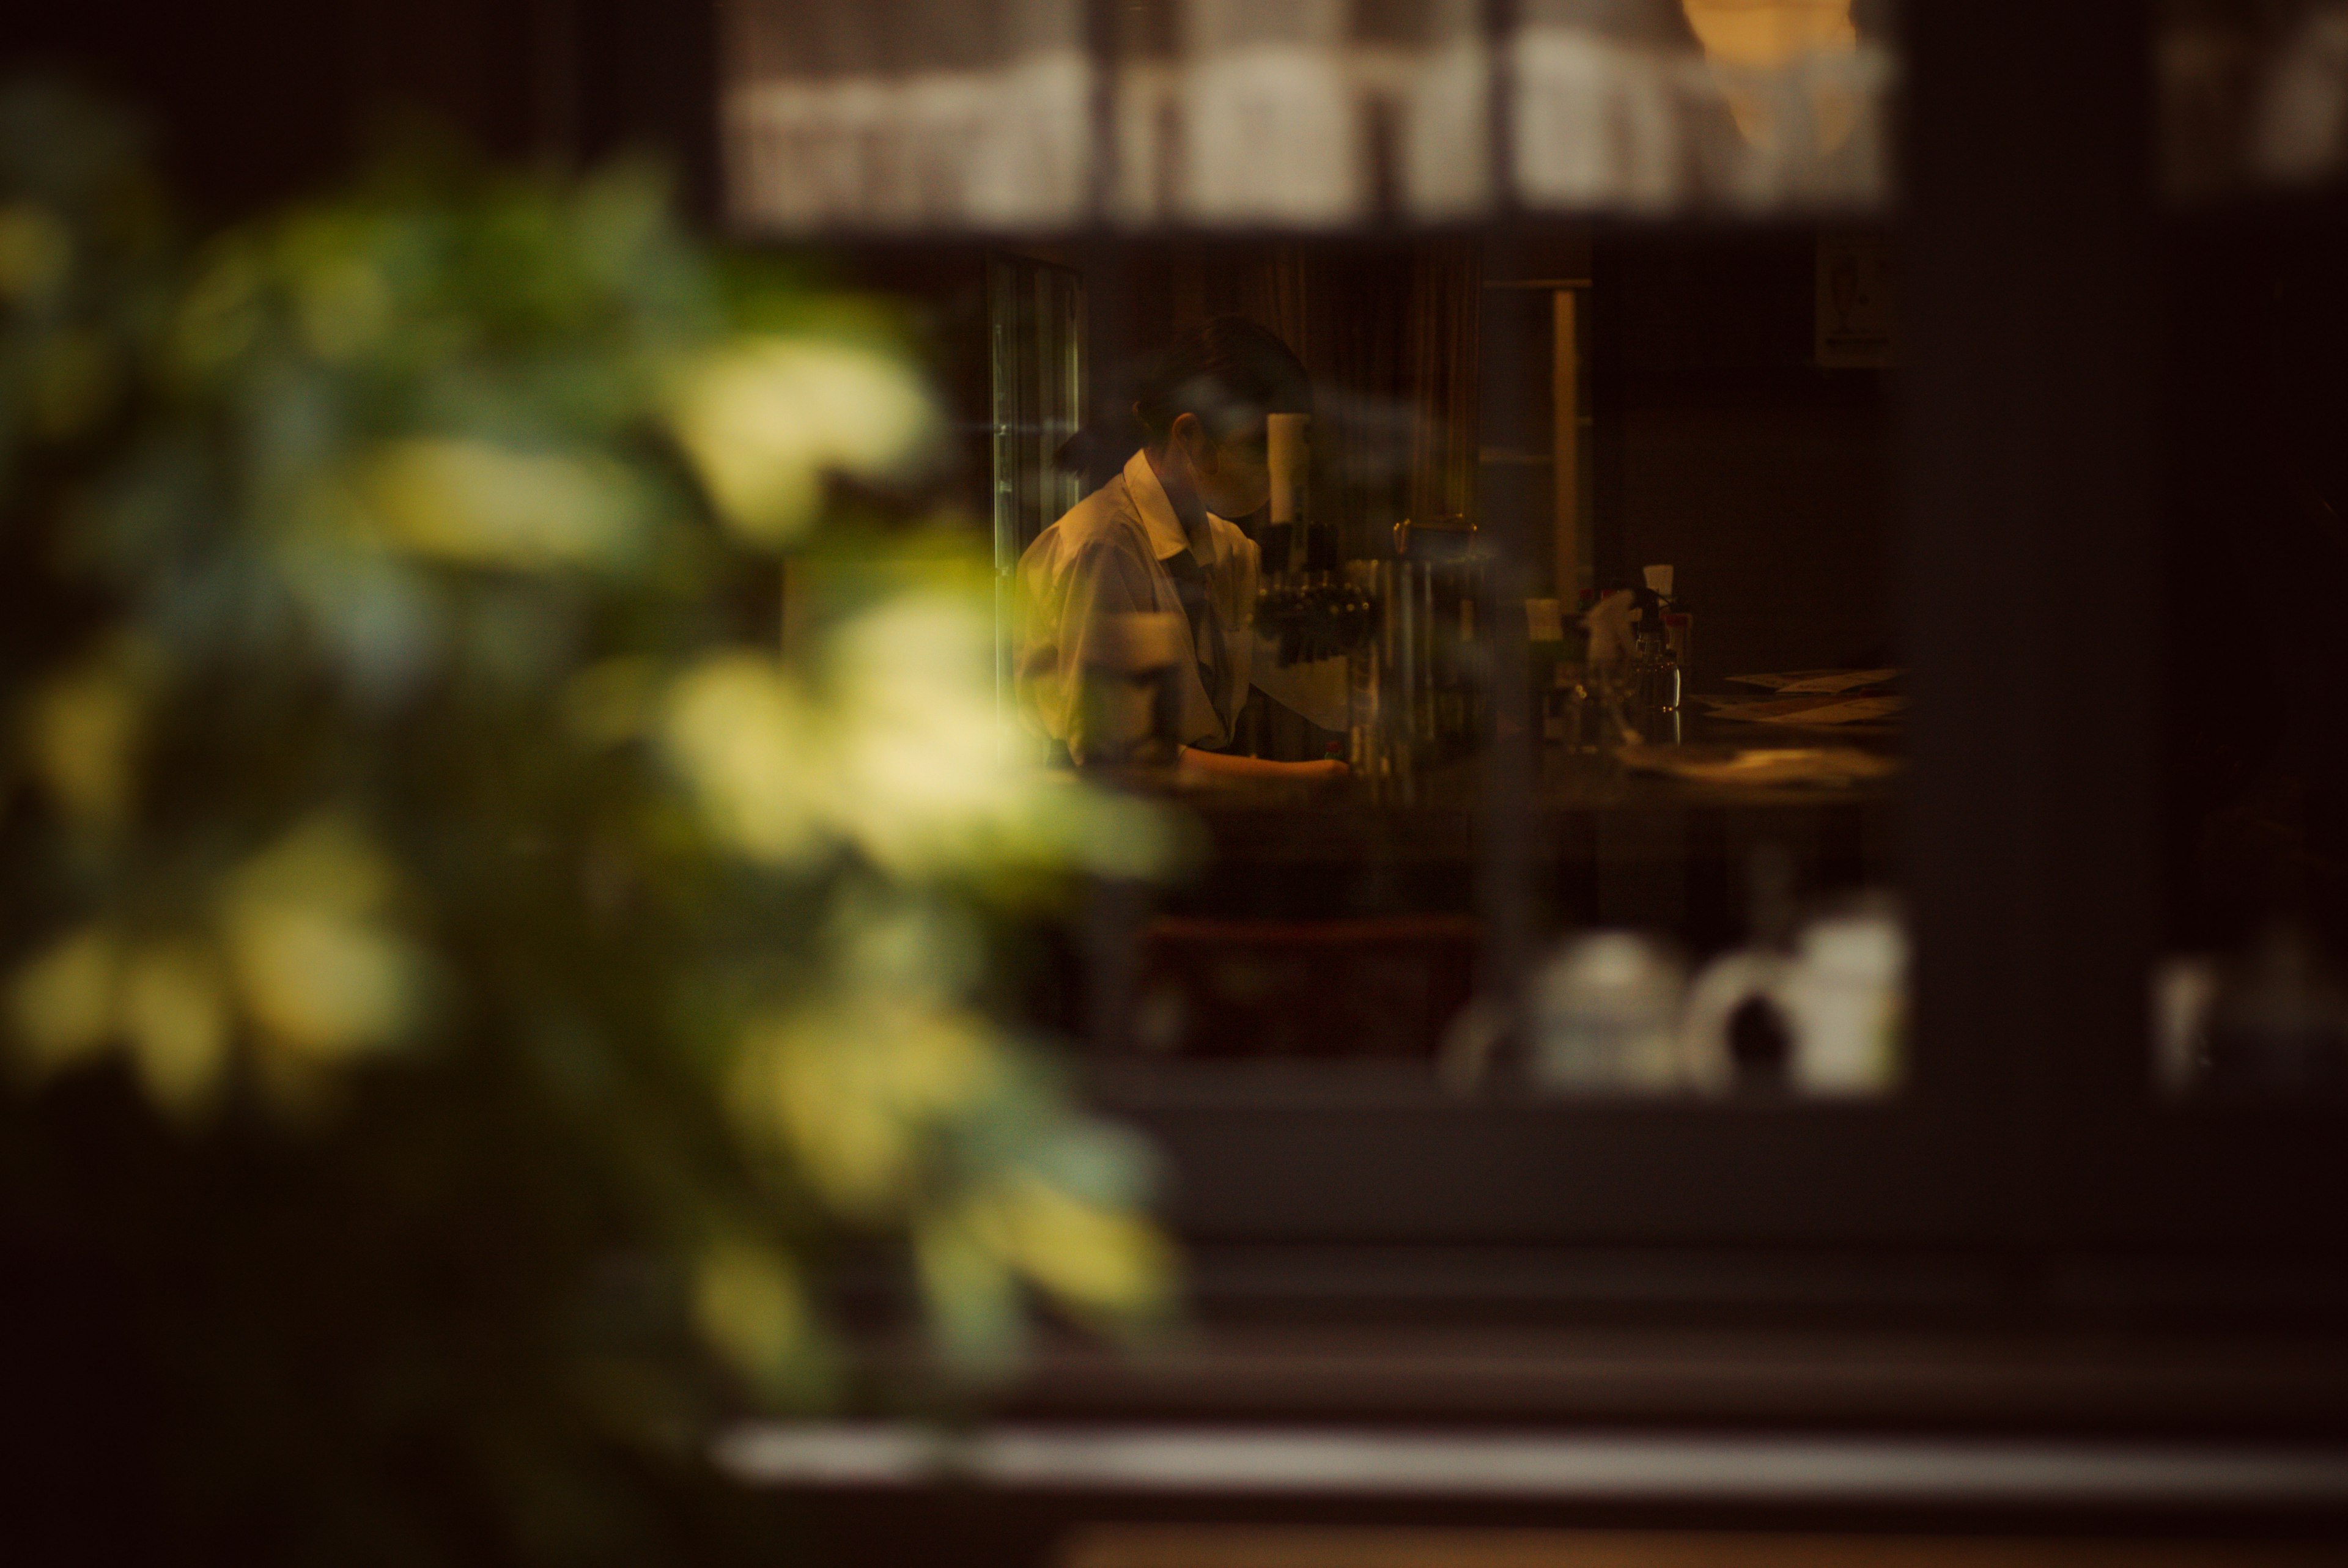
(1606,843)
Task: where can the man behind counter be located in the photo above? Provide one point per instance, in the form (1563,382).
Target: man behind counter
(1156,539)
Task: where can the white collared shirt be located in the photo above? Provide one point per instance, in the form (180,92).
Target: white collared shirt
(1109,556)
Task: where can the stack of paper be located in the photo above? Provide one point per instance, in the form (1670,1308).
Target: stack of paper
(1823,682)
(1784,710)
(1762,765)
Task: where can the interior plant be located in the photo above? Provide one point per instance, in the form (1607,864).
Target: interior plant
(463,979)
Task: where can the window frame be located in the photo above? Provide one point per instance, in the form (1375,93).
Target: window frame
(2029,1139)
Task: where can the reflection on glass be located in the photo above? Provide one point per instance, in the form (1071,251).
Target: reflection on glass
(1036,385)
(934,115)
(2269,1023)
(2251,97)
(1284,587)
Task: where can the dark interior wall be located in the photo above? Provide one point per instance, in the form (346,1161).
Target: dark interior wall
(646,75)
(1346,308)
(1385,325)
(2254,765)
(1724,450)
(1718,447)
(251,102)
(246,101)
(940,292)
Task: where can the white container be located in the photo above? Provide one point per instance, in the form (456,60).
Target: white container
(1845,997)
(1605,1013)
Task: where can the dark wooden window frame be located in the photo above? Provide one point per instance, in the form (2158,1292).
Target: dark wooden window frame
(2028,1166)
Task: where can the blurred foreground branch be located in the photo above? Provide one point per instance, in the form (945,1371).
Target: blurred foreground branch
(462,980)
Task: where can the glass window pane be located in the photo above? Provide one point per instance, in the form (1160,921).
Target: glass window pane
(1597,511)
(2252,98)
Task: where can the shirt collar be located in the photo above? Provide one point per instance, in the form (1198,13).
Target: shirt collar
(1167,536)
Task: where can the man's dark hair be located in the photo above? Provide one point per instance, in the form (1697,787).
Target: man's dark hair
(1229,372)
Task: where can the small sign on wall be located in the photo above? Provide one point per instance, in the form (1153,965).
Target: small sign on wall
(1858,301)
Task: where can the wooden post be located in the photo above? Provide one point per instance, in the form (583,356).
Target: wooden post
(1565,447)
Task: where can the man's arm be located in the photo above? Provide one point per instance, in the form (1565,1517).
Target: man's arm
(1215,764)
(1102,582)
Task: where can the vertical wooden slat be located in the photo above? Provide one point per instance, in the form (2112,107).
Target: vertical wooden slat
(2031,580)
(1504,876)
(1565,444)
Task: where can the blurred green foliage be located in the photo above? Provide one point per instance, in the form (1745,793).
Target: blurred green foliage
(463,982)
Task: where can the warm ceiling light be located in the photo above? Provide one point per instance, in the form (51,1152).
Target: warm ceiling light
(1750,37)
